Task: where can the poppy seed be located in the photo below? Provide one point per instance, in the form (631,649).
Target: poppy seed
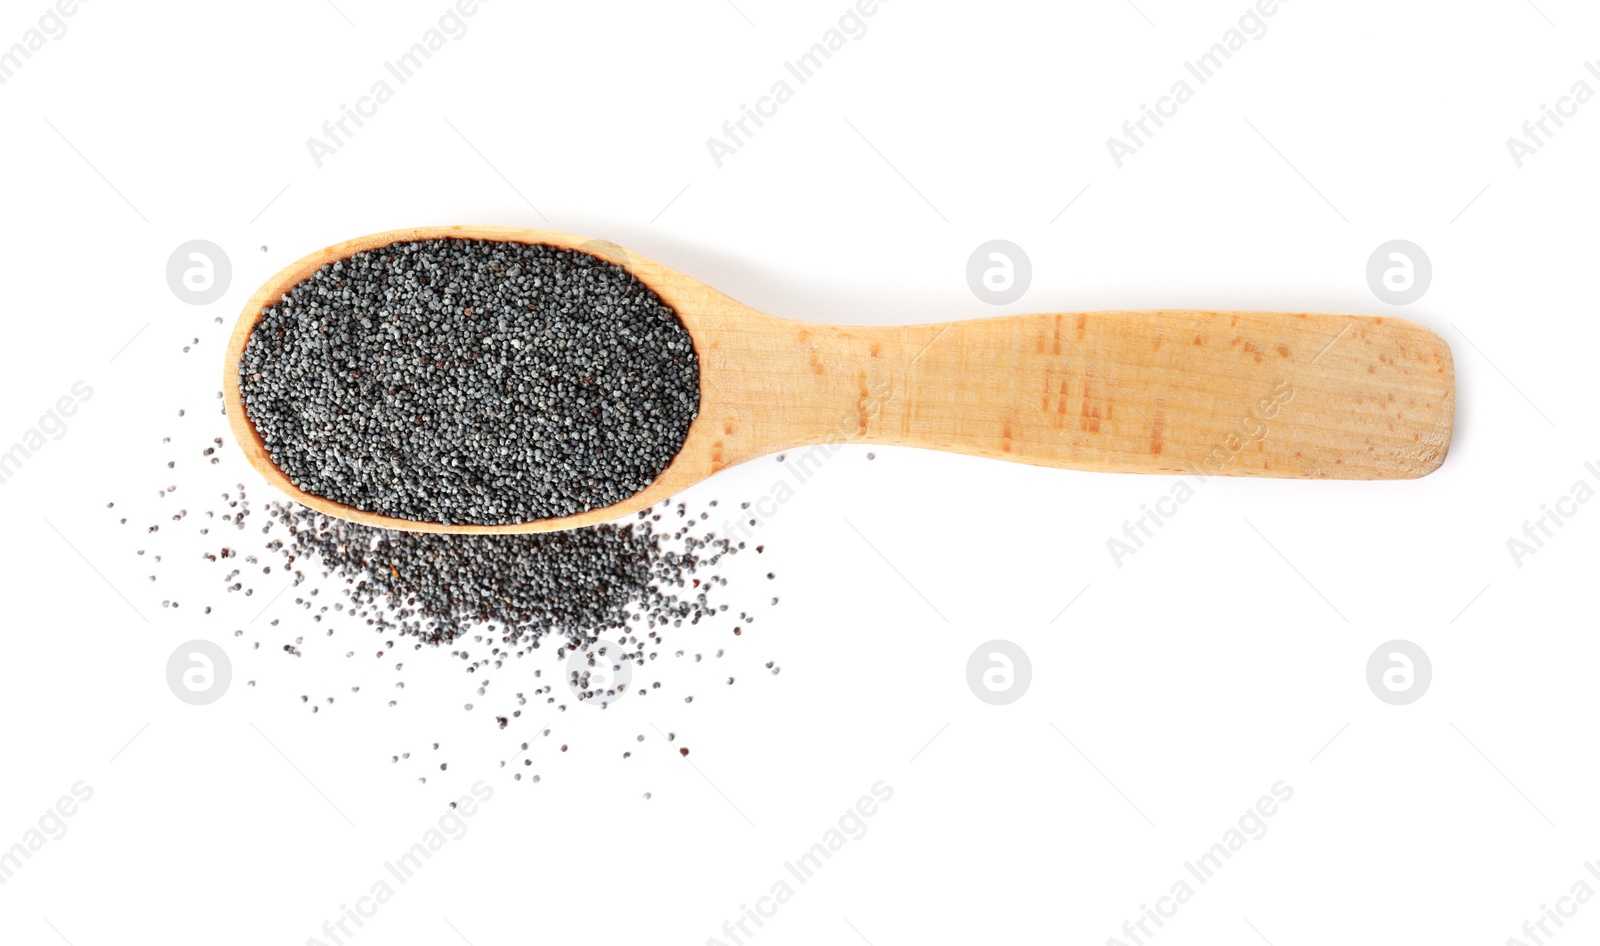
(471,381)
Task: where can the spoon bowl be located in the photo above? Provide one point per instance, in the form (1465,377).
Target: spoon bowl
(1272,394)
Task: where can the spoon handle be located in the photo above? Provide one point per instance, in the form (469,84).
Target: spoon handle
(1207,393)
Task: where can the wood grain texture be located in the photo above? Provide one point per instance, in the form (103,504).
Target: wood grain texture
(1174,391)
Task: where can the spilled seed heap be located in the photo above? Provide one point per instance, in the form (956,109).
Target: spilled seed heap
(592,609)
(578,585)
(466,381)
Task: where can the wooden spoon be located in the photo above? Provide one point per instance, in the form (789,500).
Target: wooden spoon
(1174,391)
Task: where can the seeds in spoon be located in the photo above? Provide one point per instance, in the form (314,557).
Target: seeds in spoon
(471,382)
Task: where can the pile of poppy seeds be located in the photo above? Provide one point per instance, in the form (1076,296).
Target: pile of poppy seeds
(596,382)
(470,381)
(598,601)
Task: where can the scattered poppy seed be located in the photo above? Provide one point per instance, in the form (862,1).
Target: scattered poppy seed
(609,592)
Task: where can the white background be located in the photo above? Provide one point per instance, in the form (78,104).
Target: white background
(1228,654)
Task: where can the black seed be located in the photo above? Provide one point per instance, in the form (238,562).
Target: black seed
(465,381)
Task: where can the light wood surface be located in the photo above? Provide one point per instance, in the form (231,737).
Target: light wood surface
(1174,391)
